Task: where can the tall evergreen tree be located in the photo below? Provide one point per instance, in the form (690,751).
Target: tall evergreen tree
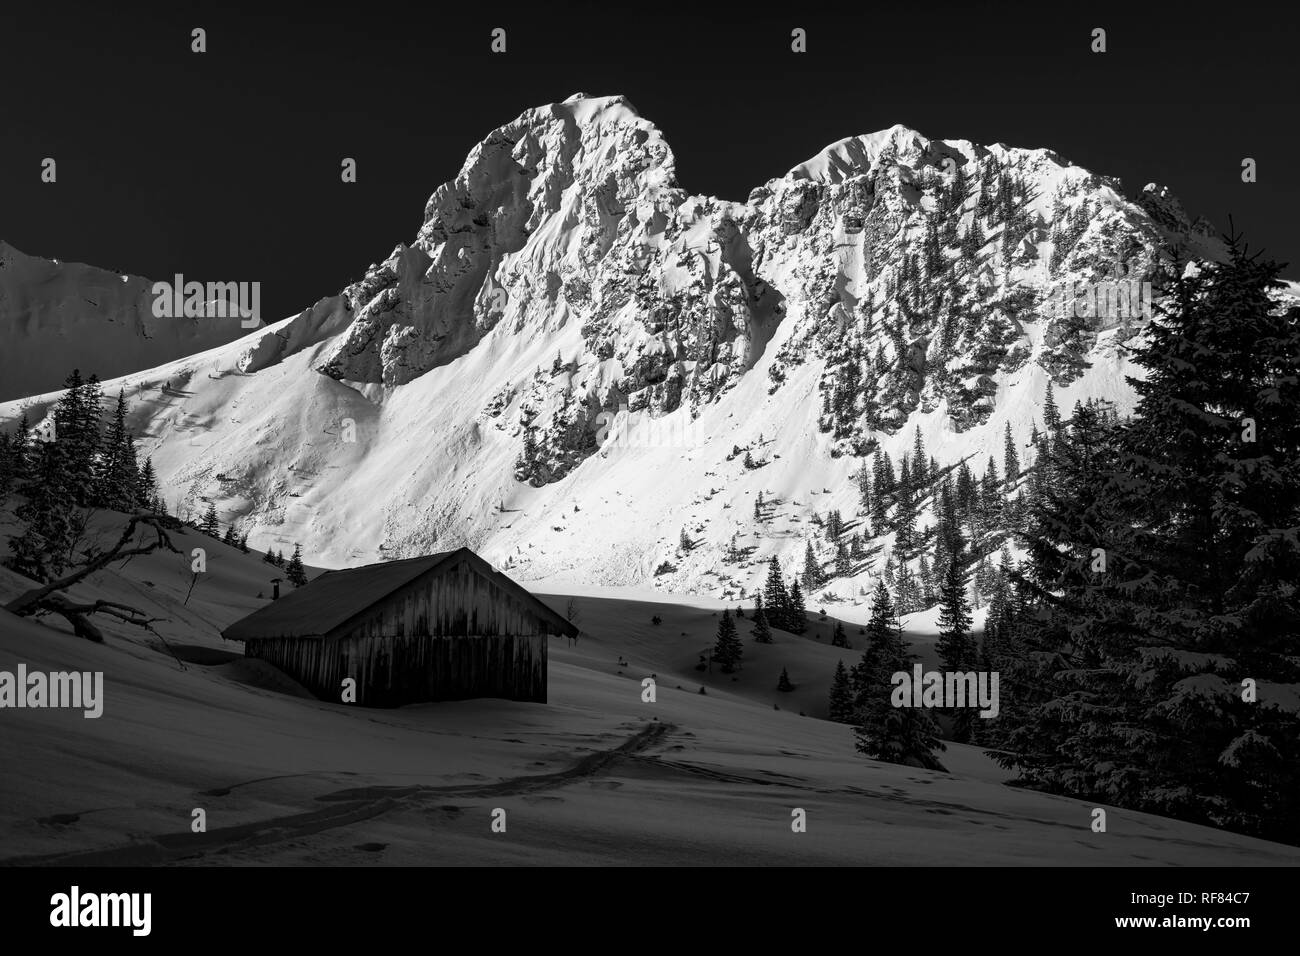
(956,646)
(1051,414)
(902,735)
(294,570)
(798,615)
(920,478)
(117,481)
(812,569)
(208,524)
(77,430)
(41,549)
(864,486)
(727,649)
(759,628)
(776,596)
(905,521)
(909,590)
(1010,458)
(1165,558)
(148,484)
(7,456)
(22,452)
(841,697)
(929,587)
(131,475)
(844,558)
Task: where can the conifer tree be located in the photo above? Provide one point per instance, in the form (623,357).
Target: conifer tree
(759,628)
(920,478)
(887,483)
(1163,568)
(776,596)
(965,492)
(7,456)
(889,574)
(727,649)
(115,488)
(1051,414)
(529,460)
(956,645)
(294,570)
(929,587)
(1010,458)
(41,549)
(148,484)
(909,590)
(864,486)
(798,616)
(990,497)
(844,558)
(841,697)
(76,429)
(902,735)
(208,525)
(21,452)
(812,570)
(838,637)
(984,580)
(783,682)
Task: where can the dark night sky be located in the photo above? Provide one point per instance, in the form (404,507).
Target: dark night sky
(225,166)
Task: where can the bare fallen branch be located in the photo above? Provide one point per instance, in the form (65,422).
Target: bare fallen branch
(45,600)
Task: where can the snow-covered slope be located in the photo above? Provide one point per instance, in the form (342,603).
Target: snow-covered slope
(595,775)
(462,391)
(56,316)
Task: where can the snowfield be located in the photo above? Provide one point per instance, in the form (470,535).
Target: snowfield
(592,776)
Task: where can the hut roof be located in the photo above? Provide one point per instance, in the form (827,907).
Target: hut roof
(335,597)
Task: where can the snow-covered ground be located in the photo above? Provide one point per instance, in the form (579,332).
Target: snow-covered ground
(593,776)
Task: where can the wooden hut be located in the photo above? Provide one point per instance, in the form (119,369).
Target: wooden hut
(439,627)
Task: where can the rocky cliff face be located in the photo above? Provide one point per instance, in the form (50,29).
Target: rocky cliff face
(915,270)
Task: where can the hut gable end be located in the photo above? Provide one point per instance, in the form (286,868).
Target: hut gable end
(338,602)
(440,627)
(454,599)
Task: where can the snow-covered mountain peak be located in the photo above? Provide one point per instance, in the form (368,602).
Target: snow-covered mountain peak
(563,282)
(855,155)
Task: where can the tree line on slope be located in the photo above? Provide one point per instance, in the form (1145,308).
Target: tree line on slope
(77,463)
(1149,649)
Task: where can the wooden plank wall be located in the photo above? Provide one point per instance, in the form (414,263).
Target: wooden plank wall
(454,601)
(391,671)
(450,635)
